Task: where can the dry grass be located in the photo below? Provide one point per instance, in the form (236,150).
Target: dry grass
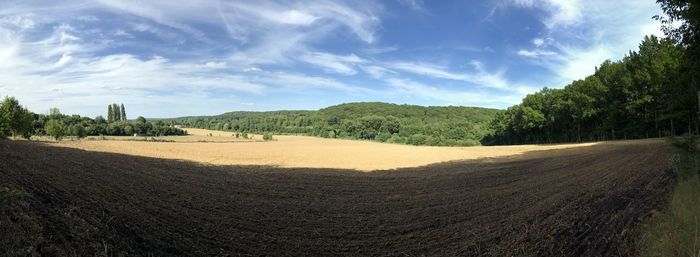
(303,151)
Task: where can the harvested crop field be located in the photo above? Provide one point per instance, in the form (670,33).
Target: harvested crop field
(584,201)
(307,152)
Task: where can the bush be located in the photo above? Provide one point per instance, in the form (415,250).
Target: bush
(244,135)
(417,139)
(267,136)
(433,141)
(382,137)
(55,129)
(396,139)
(78,131)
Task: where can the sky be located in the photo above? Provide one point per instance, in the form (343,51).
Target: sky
(202,57)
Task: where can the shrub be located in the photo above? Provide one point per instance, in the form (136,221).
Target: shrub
(55,129)
(396,139)
(78,131)
(267,136)
(431,140)
(382,137)
(417,139)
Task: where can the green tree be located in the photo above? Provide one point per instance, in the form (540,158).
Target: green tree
(110,114)
(122,112)
(141,126)
(116,113)
(17,119)
(56,129)
(267,136)
(77,130)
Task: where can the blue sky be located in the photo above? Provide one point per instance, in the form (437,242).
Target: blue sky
(176,58)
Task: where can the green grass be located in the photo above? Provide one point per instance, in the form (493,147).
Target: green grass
(676,231)
(20,233)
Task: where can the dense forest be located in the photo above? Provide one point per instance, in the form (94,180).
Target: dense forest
(16,121)
(651,92)
(383,122)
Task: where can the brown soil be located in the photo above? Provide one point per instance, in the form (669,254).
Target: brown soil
(585,201)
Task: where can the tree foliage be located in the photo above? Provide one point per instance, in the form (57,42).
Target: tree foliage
(367,121)
(122,112)
(55,129)
(636,97)
(15,119)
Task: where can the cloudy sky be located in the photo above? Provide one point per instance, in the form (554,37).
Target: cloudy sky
(175,58)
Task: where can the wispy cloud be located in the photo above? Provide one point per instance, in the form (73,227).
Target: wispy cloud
(582,34)
(535,53)
(80,54)
(415,5)
(478,76)
(343,64)
(472,98)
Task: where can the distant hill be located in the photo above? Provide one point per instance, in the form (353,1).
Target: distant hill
(384,122)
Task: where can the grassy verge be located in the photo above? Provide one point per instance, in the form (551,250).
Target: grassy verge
(20,233)
(676,231)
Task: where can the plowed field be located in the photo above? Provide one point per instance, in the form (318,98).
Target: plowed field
(584,201)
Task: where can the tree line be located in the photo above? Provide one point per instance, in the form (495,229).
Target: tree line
(641,96)
(17,121)
(651,92)
(115,113)
(383,122)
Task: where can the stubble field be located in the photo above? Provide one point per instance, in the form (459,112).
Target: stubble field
(302,151)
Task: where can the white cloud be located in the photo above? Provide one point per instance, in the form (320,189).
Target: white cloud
(377,72)
(478,77)
(538,42)
(271,18)
(535,53)
(470,98)
(342,64)
(380,50)
(580,35)
(251,69)
(416,5)
(562,12)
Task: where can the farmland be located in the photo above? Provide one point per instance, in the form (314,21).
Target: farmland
(572,201)
(300,151)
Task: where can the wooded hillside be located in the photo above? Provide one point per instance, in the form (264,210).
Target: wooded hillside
(384,122)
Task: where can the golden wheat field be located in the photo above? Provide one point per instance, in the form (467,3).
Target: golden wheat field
(301,151)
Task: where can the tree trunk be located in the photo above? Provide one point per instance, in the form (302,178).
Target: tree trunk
(673,130)
(656,123)
(613,134)
(579,132)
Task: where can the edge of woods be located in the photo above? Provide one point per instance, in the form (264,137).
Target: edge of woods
(676,230)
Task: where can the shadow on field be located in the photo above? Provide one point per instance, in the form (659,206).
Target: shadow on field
(571,202)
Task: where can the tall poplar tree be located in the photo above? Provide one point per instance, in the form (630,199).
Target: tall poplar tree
(123,116)
(117,114)
(110,113)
